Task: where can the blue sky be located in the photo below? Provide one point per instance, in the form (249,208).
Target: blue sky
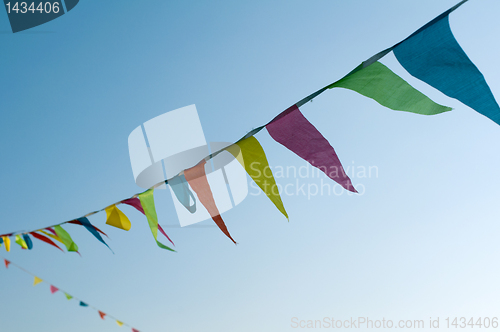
(420,242)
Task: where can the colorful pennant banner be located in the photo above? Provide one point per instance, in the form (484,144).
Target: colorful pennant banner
(53,289)
(431,54)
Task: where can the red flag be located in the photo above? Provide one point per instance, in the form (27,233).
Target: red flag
(45,239)
(7,263)
(134,330)
(102,314)
(53,289)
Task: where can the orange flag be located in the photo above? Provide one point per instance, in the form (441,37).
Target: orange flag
(197,179)
(6,263)
(102,314)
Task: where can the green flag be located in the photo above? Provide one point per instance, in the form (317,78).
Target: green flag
(66,238)
(378,82)
(148,204)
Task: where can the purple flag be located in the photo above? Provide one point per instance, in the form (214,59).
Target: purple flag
(295,132)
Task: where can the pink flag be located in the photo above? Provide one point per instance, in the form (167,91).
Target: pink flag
(7,263)
(53,289)
(50,229)
(295,132)
(135,202)
(134,330)
(163,232)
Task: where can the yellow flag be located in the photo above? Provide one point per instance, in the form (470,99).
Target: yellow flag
(37,281)
(21,242)
(55,237)
(254,160)
(116,218)
(6,240)
(119,323)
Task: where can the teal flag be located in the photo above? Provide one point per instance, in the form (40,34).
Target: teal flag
(181,190)
(434,56)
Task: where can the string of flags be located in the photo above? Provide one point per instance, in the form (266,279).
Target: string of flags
(53,289)
(431,54)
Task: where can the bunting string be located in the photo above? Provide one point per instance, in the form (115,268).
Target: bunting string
(431,54)
(53,289)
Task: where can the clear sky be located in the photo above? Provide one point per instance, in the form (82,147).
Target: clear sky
(420,241)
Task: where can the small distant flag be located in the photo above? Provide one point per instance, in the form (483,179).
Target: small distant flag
(37,281)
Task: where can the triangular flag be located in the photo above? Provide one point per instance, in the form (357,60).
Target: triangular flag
(181,190)
(254,161)
(6,240)
(86,223)
(296,133)
(50,229)
(21,242)
(433,55)
(7,263)
(102,314)
(378,82)
(197,179)
(148,204)
(28,241)
(135,330)
(45,239)
(119,323)
(53,289)
(83,304)
(165,234)
(55,237)
(76,222)
(37,281)
(135,202)
(66,238)
(116,218)
(69,297)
